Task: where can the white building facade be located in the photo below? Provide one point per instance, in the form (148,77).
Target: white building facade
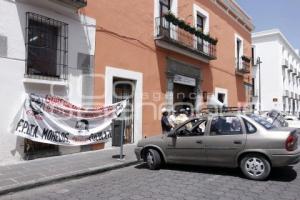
(276,79)
(46,47)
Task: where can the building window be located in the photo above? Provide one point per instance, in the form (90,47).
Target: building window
(238,53)
(253,55)
(221,97)
(164,7)
(201,22)
(200,26)
(253,87)
(284,104)
(47,47)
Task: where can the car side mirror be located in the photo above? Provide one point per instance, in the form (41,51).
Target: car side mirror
(172,134)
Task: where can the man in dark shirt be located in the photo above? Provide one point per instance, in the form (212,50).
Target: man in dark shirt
(165,124)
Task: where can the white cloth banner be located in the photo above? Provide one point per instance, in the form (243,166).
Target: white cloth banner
(53,120)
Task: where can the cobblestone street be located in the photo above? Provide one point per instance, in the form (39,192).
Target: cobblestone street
(170,183)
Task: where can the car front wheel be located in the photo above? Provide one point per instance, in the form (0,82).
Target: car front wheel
(153,159)
(255,167)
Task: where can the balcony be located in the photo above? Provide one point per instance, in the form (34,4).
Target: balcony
(294,72)
(74,3)
(286,94)
(285,63)
(174,38)
(290,68)
(291,95)
(243,65)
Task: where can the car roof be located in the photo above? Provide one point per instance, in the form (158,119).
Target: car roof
(224,114)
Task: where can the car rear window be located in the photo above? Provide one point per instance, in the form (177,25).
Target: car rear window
(262,121)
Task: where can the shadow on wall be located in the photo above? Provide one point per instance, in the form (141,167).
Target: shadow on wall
(240,90)
(207,84)
(205,72)
(161,58)
(78,42)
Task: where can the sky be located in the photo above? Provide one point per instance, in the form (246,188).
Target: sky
(279,14)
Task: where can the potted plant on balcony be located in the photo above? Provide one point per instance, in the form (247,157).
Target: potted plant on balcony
(181,24)
(199,33)
(170,17)
(192,30)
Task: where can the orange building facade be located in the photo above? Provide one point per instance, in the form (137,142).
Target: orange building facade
(145,52)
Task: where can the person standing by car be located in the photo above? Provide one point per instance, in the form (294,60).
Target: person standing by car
(165,124)
(172,118)
(182,117)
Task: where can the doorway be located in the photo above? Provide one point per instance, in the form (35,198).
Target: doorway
(124,89)
(184,96)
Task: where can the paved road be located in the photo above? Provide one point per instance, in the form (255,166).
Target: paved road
(170,183)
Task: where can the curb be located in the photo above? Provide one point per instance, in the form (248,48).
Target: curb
(60,178)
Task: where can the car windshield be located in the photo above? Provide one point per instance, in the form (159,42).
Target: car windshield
(262,121)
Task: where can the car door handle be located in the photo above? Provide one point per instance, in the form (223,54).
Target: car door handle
(199,141)
(237,142)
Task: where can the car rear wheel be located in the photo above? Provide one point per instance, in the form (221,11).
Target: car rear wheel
(255,167)
(153,159)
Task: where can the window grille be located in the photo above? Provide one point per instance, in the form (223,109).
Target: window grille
(46,47)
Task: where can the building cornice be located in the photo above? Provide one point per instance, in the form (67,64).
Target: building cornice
(279,35)
(231,8)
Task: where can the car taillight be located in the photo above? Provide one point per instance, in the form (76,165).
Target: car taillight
(291,142)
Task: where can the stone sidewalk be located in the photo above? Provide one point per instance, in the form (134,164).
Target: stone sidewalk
(48,170)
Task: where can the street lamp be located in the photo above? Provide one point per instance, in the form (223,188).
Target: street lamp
(258,62)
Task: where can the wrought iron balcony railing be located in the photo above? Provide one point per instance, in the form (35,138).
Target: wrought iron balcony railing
(294,72)
(180,38)
(243,65)
(290,68)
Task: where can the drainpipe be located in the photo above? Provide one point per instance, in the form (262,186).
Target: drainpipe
(258,62)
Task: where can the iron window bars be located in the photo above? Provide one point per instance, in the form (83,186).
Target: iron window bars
(46,48)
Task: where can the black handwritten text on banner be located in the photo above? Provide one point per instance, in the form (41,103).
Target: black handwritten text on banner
(53,120)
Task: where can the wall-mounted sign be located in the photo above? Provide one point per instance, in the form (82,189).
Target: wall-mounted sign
(53,120)
(184,80)
(275,100)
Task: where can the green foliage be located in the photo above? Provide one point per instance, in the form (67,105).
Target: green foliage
(170,17)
